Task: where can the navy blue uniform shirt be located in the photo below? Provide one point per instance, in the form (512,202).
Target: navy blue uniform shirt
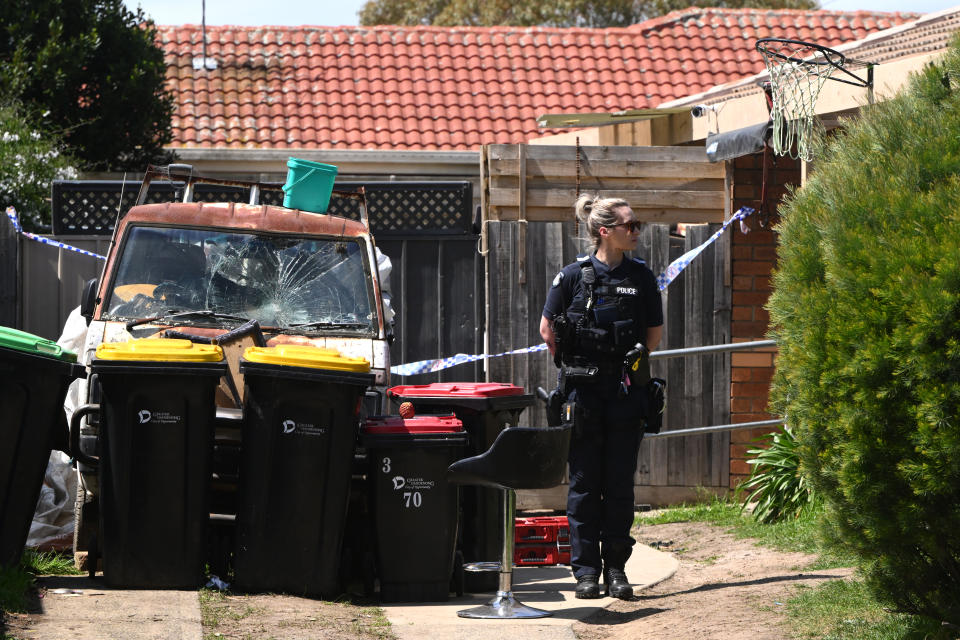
(567,285)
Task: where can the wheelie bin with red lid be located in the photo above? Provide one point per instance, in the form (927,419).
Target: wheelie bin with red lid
(485,408)
(157,413)
(34,376)
(415,508)
(301,416)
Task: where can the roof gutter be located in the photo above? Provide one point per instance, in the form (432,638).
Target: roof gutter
(352,162)
(568,120)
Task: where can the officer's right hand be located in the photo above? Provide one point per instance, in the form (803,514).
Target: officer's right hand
(637,362)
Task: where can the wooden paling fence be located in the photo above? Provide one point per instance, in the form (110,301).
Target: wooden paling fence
(529,234)
(538,183)
(451,299)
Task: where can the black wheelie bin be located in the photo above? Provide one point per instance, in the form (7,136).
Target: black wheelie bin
(34,376)
(301,415)
(485,408)
(157,414)
(415,508)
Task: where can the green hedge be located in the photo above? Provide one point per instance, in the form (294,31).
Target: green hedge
(866,311)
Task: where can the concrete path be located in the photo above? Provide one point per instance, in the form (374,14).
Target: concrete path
(549,588)
(76,607)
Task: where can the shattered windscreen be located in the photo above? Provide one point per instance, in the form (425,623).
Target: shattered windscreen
(287,282)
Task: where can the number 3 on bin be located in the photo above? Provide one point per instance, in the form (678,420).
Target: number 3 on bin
(386,465)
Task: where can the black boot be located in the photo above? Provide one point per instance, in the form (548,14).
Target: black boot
(587,587)
(615,581)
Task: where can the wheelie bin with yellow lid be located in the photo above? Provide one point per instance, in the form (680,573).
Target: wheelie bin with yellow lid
(34,376)
(157,414)
(300,419)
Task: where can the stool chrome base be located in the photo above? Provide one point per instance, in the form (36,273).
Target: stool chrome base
(504,606)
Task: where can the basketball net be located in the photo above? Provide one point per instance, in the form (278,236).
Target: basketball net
(795,83)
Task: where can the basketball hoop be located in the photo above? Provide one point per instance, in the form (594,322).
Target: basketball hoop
(798,70)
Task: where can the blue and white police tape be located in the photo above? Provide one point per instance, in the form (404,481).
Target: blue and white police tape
(12,214)
(429,366)
(663,280)
(681,263)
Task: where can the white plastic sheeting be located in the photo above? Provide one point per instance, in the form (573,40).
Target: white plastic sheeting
(52,526)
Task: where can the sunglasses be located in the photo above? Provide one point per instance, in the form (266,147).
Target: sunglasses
(632,226)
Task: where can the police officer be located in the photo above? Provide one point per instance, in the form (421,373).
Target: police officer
(601,318)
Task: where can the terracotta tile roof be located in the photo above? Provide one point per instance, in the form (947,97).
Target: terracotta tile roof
(454,88)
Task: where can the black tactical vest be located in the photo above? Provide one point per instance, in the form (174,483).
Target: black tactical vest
(604,320)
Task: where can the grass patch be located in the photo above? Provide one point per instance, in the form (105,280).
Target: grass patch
(372,621)
(799,534)
(215,609)
(50,563)
(15,582)
(845,610)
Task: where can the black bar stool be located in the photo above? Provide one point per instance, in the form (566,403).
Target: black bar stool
(520,458)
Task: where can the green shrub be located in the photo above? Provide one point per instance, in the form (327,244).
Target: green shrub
(30,160)
(866,312)
(776,488)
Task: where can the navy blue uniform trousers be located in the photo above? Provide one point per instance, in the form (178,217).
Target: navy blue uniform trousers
(603,459)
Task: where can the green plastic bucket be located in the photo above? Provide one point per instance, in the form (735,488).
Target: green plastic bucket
(309,185)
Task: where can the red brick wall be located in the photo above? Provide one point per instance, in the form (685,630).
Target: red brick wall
(754,256)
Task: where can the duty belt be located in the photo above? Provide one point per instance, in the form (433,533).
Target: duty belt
(596,369)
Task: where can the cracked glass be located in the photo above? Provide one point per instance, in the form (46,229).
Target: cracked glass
(298,284)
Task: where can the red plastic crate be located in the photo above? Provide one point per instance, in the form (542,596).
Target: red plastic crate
(528,555)
(541,530)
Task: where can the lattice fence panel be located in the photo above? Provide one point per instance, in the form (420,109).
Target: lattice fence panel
(91,207)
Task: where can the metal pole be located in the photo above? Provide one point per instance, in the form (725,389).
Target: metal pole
(715,348)
(695,431)
(203,30)
(506,558)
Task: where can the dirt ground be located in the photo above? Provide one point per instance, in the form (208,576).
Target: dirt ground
(725,589)
(259,617)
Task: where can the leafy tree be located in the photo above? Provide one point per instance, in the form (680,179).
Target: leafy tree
(91,69)
(866,312)
(29,161)
(562,13)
